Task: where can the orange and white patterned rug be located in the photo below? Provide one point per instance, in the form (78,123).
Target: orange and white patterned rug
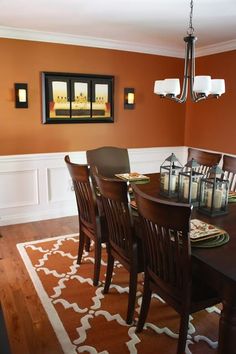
(86,321)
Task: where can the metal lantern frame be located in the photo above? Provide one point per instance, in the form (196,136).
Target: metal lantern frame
(189,183)
(169,172)
(214,191)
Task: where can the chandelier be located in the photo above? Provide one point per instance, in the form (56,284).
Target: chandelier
(201,87)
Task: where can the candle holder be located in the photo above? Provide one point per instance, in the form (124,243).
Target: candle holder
(189,183)
(214,193)
(169,173)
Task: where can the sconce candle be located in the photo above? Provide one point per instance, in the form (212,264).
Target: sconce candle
(22,95)
(130,98)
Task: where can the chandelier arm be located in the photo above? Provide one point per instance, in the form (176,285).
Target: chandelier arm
(192,67)
(183,96)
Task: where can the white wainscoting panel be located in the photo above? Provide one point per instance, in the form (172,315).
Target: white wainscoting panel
(59,185)
(38,186)
(23,191)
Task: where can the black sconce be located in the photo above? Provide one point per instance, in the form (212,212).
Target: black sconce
(129,98)
(21,96)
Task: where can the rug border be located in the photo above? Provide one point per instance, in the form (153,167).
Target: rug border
(54,319)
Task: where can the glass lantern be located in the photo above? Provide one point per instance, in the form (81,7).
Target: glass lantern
(189,183)
(214,193)
(169,173)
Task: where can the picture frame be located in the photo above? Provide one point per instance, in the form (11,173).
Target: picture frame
(77,98)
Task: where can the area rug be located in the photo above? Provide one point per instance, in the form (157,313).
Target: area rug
(86,321)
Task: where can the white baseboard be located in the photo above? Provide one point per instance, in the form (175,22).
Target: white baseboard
(38,186)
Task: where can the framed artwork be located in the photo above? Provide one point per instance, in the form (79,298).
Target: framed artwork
(77,98)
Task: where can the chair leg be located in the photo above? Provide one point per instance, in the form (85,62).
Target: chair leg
(132,295)
(81,247)
(97,263)
(183,331)
(147,294)
(110,266)
(87,244)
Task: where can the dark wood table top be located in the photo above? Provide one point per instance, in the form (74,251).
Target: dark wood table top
(221,259)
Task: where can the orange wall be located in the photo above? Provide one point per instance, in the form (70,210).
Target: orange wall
(211,124)
(154,122)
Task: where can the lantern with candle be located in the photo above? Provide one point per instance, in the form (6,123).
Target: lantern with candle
(169,173)
(189,183)
(213,199)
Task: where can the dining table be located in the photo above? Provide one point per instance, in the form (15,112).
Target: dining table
(217,265)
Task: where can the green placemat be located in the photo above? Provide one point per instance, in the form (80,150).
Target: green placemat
(232,197)
(212,242)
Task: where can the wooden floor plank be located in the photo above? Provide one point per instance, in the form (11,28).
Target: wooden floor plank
(28,328)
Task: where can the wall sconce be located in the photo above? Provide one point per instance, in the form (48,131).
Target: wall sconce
(21,96)
(129,98)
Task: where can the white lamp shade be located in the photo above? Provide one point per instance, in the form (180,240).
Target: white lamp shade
(172,86)
(159,87)
(202,84)
(217,86)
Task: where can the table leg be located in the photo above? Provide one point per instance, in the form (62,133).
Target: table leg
(227,325)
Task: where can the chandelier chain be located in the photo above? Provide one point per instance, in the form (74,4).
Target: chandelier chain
(190,30)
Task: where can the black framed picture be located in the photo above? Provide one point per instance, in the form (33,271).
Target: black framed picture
(77,98)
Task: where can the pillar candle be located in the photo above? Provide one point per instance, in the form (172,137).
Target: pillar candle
(217,198)
(172,182)
(186,189)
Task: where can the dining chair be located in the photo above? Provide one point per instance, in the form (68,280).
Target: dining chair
(123,243)
(229,168)
(107,161)
(167,262)
(92,226)
(204,158)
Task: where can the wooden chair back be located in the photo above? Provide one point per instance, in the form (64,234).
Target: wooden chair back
(204,158)
(80,175)
(165,227)
(109,160)
(229,168)
(116,207)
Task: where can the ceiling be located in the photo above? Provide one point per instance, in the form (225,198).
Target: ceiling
(148,26)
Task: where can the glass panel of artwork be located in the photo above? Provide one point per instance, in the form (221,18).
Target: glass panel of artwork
(81,106)
(59,105)
(101,106)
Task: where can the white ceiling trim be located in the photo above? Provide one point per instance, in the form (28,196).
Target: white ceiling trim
(62,38)
(216,48)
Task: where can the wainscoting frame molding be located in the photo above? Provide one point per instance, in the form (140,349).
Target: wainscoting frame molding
(38,186)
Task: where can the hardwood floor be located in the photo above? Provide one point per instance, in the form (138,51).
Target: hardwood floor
(28,328)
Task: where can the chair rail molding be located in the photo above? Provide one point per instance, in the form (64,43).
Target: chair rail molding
(38,186)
